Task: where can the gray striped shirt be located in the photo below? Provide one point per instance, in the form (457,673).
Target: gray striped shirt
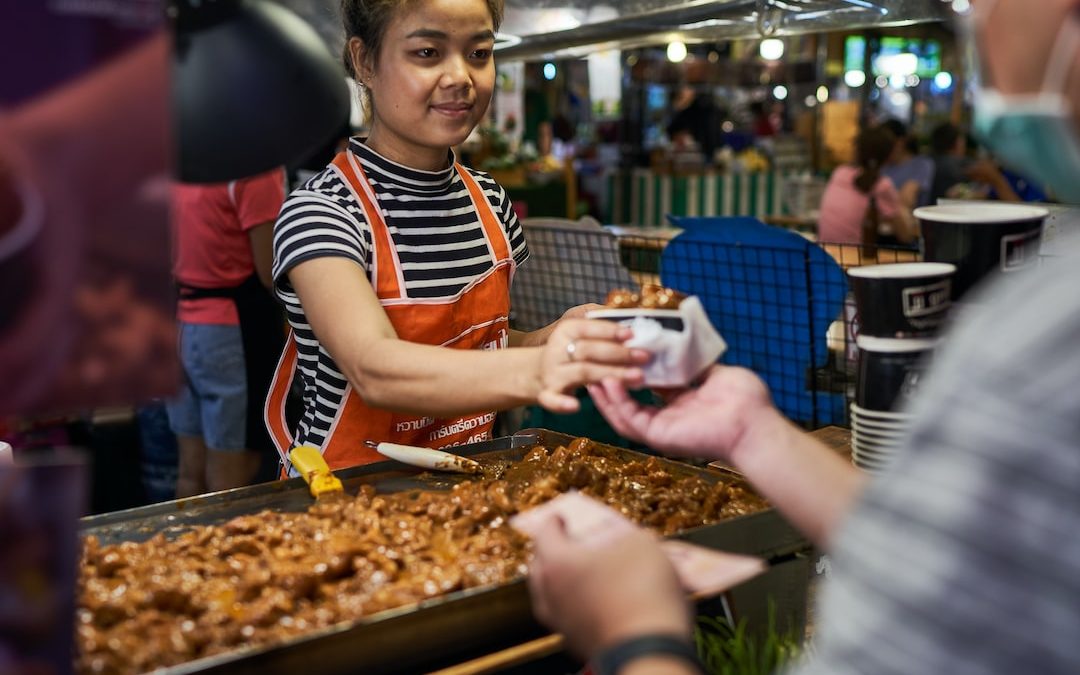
(964,558)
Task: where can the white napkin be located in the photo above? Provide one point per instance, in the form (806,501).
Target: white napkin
(679,356)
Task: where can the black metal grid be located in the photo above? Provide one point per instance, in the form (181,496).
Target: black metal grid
(570,263)
(781,302)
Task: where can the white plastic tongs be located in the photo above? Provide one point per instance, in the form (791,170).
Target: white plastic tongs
(426,458)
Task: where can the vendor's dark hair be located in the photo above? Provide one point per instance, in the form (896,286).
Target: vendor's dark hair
(873,146)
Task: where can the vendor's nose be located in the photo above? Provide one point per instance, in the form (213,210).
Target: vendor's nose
(456,73)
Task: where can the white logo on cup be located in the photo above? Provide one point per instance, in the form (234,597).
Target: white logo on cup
(910,383)
(923,300)
(1019,250)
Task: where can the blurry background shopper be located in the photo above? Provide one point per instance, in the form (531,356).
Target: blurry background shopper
(860,204)
(694,124)
(910,172)
(763,124)
(960,176)
(231,329)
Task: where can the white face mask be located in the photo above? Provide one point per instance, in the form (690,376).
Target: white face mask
(1035,133)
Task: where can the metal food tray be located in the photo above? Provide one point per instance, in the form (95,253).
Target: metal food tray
(435,631)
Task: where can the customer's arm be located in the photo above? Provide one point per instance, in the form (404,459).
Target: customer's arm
(731,417)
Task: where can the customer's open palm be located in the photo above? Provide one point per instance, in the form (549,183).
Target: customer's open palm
(705,422)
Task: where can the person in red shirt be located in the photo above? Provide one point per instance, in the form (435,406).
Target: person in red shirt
(231,329)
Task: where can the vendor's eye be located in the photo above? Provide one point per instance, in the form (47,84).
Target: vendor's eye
(426,53)
(481,54)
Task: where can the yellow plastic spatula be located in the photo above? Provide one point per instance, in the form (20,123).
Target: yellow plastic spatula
(311,465)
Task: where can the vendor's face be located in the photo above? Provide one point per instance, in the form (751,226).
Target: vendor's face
(433,81)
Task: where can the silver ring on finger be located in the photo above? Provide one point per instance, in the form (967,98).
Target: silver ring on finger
(571,350)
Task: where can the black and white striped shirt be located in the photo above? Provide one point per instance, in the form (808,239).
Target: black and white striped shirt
(435,229)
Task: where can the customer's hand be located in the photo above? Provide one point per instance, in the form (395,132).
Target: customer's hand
(583,351)
(707,421)
(597,593)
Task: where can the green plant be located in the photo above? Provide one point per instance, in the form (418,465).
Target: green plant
(727,649)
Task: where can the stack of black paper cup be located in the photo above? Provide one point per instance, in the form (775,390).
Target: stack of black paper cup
(981,239)
(899,309)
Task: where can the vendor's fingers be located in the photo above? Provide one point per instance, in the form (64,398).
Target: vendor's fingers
(580,311)
(593,329)
(580,374)
(558,402)
(604,351)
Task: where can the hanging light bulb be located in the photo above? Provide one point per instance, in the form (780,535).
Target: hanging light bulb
(772,49)
(676,51)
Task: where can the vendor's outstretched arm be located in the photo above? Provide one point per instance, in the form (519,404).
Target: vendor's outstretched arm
(394,374)
(731,417)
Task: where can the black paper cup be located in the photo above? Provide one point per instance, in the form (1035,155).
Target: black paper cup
(889,370)
(981,238)
(902,300)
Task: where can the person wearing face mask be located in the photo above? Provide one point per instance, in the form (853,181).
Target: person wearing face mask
(1026,113)
(962,557)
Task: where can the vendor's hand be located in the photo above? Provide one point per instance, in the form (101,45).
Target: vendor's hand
(704,422)
(600,593)
(580,311)
(583,351)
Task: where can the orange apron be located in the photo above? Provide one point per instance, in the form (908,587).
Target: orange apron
(476,318)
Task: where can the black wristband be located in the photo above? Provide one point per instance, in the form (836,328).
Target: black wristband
(612,659)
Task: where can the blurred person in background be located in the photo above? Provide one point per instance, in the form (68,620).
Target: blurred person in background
(961,557)
(860,204)
(694,123)
(762,122)
(959,176)
(231,329)
(910,172)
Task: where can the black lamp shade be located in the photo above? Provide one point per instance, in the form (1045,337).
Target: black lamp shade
(254,88)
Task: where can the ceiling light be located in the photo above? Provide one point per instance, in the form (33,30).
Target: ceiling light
(780,92)
(676,51)
(772,49)
(854,78)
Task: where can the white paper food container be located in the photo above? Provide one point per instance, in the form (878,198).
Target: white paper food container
(682,341)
